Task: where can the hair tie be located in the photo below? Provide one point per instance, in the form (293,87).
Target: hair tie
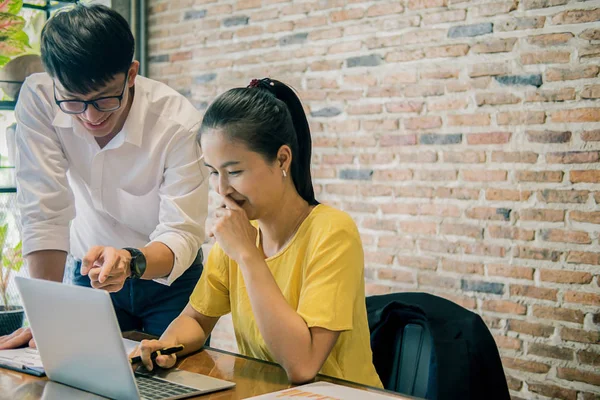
(265,83)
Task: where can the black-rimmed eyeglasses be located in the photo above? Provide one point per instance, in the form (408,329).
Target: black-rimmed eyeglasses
(102,104)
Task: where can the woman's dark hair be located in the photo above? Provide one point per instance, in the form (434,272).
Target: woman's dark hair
(86,46)
(265,116)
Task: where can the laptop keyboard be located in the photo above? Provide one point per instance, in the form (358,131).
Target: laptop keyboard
(156,389)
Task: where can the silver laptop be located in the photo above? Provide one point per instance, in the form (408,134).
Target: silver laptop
(78,337)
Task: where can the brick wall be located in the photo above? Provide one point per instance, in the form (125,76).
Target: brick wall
(462,136)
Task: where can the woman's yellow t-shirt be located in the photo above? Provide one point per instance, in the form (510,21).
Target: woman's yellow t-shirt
(321,275)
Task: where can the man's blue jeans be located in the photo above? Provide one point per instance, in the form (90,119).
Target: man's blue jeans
(147,306)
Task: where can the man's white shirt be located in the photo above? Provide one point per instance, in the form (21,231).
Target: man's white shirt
(147,184)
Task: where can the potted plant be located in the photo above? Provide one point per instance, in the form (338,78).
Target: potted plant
(11,315)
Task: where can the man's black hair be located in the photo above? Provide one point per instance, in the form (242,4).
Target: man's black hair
(85,47)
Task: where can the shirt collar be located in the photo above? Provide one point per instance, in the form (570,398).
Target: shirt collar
(134,124)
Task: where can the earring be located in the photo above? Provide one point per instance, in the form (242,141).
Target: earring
(284,173)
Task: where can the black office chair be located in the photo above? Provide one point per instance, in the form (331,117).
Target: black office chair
(429,347)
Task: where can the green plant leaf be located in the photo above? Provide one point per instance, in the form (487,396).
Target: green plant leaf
(13,258)
(10,24)
(3,61)
(11,6)
(10,47)
(22,37)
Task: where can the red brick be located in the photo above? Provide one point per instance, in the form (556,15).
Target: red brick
(420,4)
(399,208)
(346,15)
(358,142)
(493,99)
(342,189)
(443,16)
(438,246)
(577,16)
(441,210)
(420,157)
(395,242)
(582,257)
(589,217)
(514,383)
(533,291)
(564,196)
(558,235)
(364,109)
(510,271)
(504,307)
(590,34)
(403,56)
(376,190)
(387,274)
(414,192)
(360,80)
(550,39)
(579,335)
(559,314)
(494,46)
(427,228)
(592,299)
(537,253)
(462,267)
(447,104)
(548,351)
(535,214)
(539,176)
(576,115)
(548,57)
(378,258)
(437,281)
(434,175)
(552,391)
(392,175)
(521,117)
(481,69)
(483,249)
(246,4)
(548,136)
(489,138)
(398,140)
(590,396)
(527,157)
(423,90)
(384,9)
(477,119)
(487,213)
(510,232)
(466,302)
(427,263)
(568,74)
(590,92)
(577,375)
(527,366)
(484,176)
(473,231)
(404,107)
(428,122)
(464,157)
(529,328)
(326,34)
(557,95)
(380,125)
(457,193)
(565,276)
(507,195)
(589,357)
(591,176)
(533,4)
(456,50)
(360,207)
(505,342)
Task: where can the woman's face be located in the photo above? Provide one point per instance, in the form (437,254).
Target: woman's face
(244,175)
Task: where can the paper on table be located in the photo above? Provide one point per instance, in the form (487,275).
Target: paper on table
(323,390)
(30,358)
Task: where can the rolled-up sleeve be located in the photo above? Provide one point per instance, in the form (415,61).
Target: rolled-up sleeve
(44,196)
(183,202)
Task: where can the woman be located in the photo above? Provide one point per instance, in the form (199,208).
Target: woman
(289,269)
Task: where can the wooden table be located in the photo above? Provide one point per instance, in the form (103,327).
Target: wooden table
(252,377)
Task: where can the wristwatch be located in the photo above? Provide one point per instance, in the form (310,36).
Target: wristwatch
(138,263)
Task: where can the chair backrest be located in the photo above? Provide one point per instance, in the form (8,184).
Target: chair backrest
(429,347)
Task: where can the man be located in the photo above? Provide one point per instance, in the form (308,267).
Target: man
(108,169)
